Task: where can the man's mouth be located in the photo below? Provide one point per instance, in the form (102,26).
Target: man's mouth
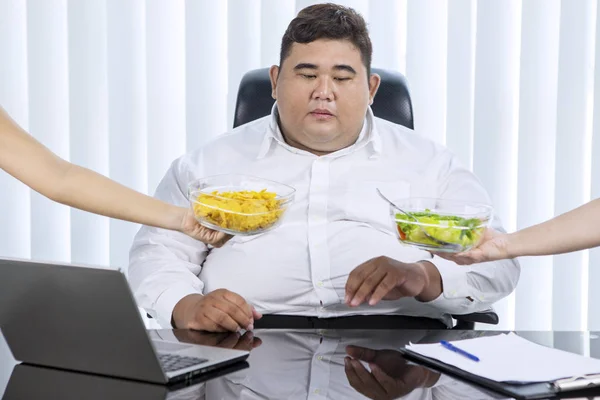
(322,114)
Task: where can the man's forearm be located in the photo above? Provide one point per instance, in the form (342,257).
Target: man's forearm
(575,230)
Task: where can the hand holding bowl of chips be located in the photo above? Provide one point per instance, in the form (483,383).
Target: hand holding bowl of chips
(239,204)
(440,225)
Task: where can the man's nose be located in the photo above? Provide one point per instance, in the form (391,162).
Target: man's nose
(324,89)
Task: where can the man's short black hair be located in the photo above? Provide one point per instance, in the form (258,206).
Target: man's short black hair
(328,21)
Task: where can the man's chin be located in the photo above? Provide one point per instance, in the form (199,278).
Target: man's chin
(322,136)
(325,147)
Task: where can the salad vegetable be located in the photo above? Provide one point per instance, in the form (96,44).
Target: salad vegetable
(448,228)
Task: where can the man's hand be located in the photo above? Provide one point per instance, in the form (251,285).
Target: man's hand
(218,311)
(383,278)
(390,376)
(191,227)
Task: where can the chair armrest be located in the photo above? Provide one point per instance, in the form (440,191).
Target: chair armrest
(486,317)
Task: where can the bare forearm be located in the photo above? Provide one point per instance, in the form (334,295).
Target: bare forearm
(575,230)
(29,161)
(87,190)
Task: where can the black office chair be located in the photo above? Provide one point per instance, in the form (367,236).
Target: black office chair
(391,103)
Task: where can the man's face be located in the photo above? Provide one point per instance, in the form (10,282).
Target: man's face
(322,94)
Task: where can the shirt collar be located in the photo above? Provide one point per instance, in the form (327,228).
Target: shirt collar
(369,136)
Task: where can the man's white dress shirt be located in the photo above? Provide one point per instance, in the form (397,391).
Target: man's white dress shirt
(337,222)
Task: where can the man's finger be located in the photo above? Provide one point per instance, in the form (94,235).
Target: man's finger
(256,314)
(230,341)
(222,320)
(386,285)
(236,313)
(376,390)
(361,371)
(356,278)
(256,342)
(353,379)
(241,303)
(367,287)
(356,382)
(245,342)
(361,353)
(388,384)
(209,325)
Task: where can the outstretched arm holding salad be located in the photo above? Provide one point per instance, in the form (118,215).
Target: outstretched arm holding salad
(575,230)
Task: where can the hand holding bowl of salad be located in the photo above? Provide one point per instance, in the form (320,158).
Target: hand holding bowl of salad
(440,225)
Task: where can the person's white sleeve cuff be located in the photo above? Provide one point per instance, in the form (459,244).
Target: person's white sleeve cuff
(168,299)
(454,278)
(456,297)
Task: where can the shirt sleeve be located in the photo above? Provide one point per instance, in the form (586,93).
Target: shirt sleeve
(477,287)
(164,265)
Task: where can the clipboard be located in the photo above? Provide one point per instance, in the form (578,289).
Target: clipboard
(580,386)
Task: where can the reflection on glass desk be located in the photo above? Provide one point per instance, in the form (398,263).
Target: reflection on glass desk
(295,364)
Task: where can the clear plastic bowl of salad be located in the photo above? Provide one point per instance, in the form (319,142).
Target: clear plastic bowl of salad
(441,225)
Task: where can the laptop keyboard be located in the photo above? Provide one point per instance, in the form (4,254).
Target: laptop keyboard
(173,362)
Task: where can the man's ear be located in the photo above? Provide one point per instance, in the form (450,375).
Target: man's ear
(273,74)
(374,81)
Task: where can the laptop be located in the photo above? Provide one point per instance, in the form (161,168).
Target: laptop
(85,319)
(52,383)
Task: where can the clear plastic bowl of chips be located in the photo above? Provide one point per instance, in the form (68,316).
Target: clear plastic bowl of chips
(441,225)
(239,204)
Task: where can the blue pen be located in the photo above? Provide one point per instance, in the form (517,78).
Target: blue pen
(455,349)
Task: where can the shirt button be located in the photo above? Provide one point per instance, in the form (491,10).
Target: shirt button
(320,358)
(317,391)
(320,284)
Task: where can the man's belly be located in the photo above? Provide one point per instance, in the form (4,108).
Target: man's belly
(273,271)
